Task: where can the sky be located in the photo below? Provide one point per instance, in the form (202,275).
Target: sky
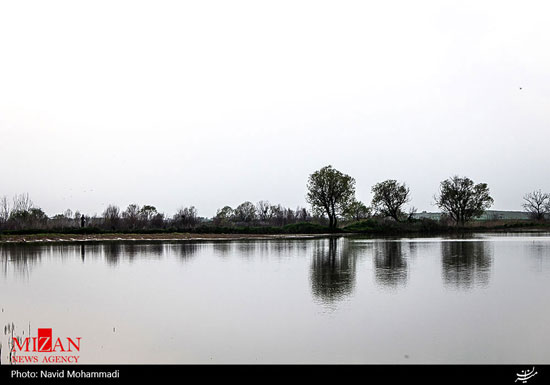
(213,103)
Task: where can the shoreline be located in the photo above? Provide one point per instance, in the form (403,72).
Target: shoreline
(155,237)
(47,238)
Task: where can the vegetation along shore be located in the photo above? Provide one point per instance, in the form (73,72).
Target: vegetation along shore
(464,206)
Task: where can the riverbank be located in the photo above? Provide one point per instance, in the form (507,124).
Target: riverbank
(177,236)
(55,238)
(369,227)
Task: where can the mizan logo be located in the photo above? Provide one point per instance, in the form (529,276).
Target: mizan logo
(62,350)
(525,375)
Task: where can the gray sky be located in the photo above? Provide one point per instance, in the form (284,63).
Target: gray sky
(211,103)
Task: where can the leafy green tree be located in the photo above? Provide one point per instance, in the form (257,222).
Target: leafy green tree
(223,216)
(357,211)
(463,200)
(147,213)
(389,198)
(32,218)
(330,192)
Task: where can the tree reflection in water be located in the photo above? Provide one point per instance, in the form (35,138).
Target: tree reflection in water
(184,251)
(19,260)
(390,264)
(333,269)
(466,264)
(114,252)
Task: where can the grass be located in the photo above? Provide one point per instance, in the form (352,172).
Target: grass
(297,228)
(429,226)
(368,226)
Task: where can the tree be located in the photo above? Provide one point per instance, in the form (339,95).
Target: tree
(263,208)
(5,210)
(147,213)
(245,212)
(63,220)
(277,214)
(302,214)
(462,200)
(357,211)
(289,215)
(330,192)
(131,216)
(33,218)
(22,202)
(537,204)
(223,215)
(186,217)
(157,221)
(389,198)
(111,216)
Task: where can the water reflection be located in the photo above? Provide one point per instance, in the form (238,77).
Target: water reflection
(222,248)
(116,252)
(20,259)
(390,263)
(112,252)
(278,248)
(466,264)
(273,305)
(540,255)
(252,249)
(333,269)
(183,251)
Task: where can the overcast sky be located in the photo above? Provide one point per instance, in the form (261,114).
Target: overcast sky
(212,103)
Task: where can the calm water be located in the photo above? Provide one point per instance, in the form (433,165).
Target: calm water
(482,299)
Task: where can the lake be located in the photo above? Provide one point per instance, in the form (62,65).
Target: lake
(478,299)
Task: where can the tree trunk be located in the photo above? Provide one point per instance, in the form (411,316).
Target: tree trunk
(332,220)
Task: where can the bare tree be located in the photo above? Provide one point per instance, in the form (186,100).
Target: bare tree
(537,204)
(290,215)
(411,213)
(277,214)
(4,210)
(157,221)
(132,216)
(263,208)
(68,213)
(22,202)
(23,214)
(111,217)
(186,217)
(302,214)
